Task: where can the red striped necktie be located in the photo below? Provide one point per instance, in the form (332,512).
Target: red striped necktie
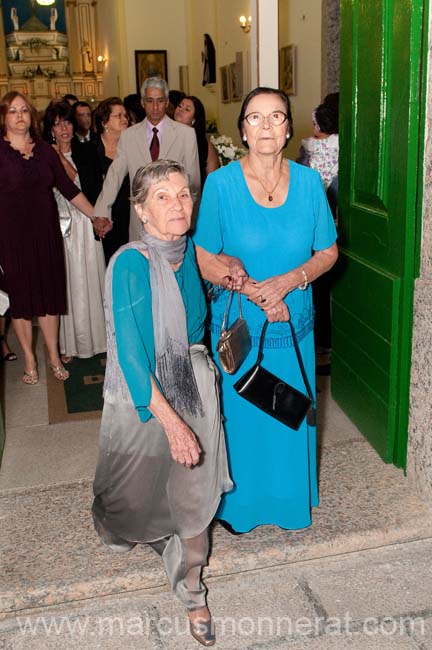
(154,145)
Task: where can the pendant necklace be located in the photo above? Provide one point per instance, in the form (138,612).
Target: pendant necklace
(269,192)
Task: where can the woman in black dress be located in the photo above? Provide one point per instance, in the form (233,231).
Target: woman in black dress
(31,244)
(191,111)
(110,120)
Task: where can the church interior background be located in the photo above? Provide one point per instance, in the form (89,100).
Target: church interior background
(49,48)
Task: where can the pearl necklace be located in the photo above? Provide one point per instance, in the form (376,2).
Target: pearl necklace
(269,192)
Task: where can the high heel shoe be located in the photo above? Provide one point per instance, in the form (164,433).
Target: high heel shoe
(203,631)
(30,377)
(8,356)
(60,372)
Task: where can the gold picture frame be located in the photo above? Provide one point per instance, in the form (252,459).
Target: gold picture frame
(288,69)
(150,63)
(184,79)
(225,84)
(236,78)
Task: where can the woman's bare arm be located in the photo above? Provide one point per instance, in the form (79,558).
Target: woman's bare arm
(271,291)
(221,269)
(212,162)
(181,439)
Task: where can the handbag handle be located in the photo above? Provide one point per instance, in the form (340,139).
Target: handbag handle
(260,356)
(227,309)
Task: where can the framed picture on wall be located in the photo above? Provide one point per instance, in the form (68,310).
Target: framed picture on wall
(150,63)
(236,78)
(225,84)
(184,78)
(287,69)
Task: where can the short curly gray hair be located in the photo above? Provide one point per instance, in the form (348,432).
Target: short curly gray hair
(151,174)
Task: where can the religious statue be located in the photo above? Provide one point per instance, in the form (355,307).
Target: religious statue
(14,19)
(87,57)
(53,19)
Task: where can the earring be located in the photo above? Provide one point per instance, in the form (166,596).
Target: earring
(144,221)
(53,138)
(244,138)
(106,129)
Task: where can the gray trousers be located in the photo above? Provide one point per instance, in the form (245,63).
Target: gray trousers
(183,560)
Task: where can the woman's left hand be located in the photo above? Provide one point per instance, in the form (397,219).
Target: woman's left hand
(270,292)
(278,314)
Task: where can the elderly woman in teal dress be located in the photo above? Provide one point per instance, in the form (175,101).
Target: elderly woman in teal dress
(162,465)
(265,228)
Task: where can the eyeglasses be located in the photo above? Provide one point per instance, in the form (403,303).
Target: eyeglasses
(257,119)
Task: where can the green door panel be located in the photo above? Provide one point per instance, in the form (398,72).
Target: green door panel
(365,332)
(380,101)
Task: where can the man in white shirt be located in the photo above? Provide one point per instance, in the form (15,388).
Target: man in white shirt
(156,137)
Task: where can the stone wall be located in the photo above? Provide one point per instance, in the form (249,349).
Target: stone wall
(420,423)
(330,47)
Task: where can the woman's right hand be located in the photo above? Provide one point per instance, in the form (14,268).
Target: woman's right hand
(279,313)
(183,443)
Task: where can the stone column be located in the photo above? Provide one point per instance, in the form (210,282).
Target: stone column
(420,418)
(330,29)
(86,22)
(4,71)
(75,59)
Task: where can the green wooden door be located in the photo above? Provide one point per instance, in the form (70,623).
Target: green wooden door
(381,65)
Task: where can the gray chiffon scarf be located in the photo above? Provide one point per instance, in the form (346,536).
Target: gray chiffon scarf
(173,363)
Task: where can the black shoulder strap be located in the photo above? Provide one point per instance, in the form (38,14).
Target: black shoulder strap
(260,355)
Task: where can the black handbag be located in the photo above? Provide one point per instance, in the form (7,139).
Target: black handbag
(273,395)
(234,342)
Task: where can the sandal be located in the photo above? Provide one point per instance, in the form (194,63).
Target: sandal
(60,372)
(30,377)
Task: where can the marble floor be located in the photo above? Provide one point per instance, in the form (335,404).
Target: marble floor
(51,554)
(38,453)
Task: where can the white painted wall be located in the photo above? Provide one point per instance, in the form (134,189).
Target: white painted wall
(300,25)
(231,40)
(179,26)
(201,19)
(113,46)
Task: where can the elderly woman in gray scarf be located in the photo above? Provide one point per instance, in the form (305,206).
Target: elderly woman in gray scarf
(162,462)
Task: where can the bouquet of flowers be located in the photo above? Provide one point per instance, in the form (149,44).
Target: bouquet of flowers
(226,149)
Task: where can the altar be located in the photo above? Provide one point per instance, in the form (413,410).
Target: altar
(48,48)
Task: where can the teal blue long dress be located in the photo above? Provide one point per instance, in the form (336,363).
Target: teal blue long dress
(272,466)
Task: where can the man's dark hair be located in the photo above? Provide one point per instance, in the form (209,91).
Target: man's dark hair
(69,98)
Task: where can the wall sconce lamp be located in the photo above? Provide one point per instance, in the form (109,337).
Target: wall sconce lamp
(102,59)
(245,23)
(45,3)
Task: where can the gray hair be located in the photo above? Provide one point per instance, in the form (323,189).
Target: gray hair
(151,174)
(155,82)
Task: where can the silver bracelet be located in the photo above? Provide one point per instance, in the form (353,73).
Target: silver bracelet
(305,282)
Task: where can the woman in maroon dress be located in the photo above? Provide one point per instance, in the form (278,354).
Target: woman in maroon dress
(31,245)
